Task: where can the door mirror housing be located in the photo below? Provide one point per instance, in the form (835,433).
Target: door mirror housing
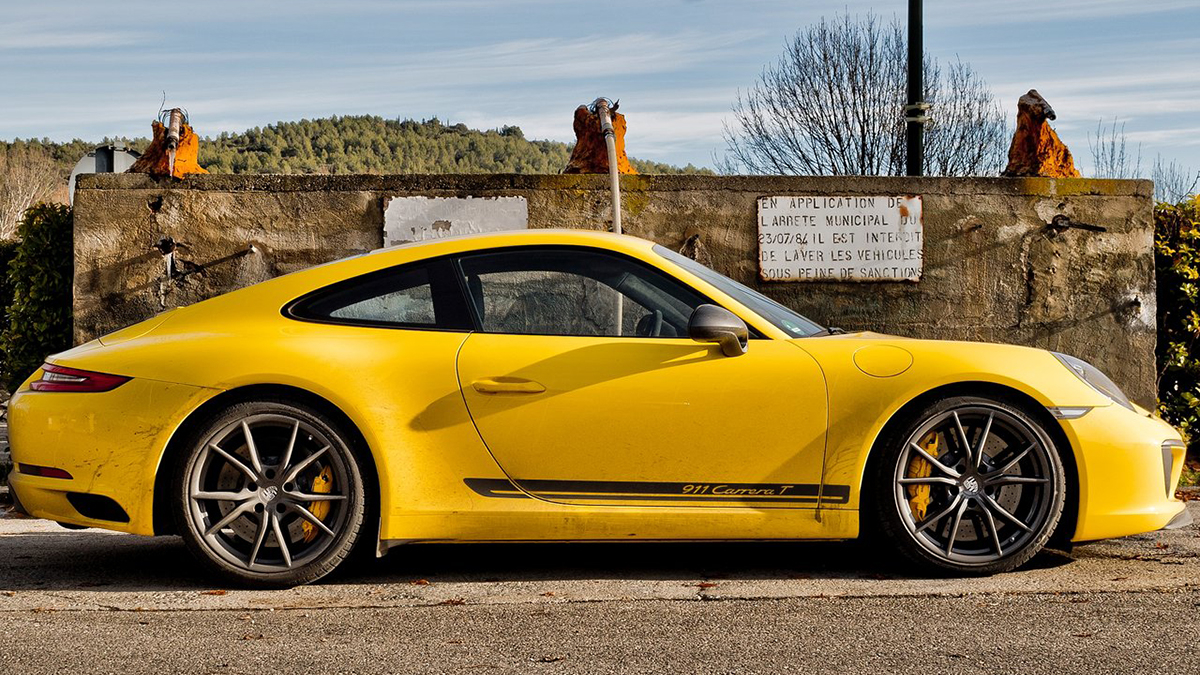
(710,323)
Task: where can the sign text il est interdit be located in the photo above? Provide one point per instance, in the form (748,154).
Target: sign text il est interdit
(840,238)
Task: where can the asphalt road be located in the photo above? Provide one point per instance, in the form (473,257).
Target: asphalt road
(97,602)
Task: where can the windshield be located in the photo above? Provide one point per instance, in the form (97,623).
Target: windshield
(783,318)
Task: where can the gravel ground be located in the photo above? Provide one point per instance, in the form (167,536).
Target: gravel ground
(1038,633)
(102,602)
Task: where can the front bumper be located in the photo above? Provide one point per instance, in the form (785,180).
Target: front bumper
(1180,521)
(1127,476)
(110,443)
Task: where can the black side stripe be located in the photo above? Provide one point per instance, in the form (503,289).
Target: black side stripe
(494,487)
(790,493)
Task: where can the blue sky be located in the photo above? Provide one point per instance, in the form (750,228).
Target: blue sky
(88,69)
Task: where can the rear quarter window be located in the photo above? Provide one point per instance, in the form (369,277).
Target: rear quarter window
(420,295)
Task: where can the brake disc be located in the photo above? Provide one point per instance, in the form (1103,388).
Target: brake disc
(232,480)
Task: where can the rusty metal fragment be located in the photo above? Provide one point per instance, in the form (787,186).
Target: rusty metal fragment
(591,154)
(174,150)
(1036,150)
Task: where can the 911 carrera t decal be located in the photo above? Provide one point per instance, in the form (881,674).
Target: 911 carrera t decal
(773,493)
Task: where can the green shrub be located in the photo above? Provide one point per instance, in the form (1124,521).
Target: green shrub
(41,275)
(1177,259)
(8,250)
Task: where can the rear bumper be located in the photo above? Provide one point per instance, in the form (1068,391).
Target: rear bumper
(34,497)
(111,445)
(16,500)
(1129,466)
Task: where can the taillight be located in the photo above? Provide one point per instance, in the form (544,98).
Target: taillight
(43,471)
(60,378)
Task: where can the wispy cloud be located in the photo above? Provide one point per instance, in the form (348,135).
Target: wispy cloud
(976,13)
(42,39)
(1189,136)
(584,58)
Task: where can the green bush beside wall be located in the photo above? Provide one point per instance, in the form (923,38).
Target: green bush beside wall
(1177,259)
(41,274)
(8,251)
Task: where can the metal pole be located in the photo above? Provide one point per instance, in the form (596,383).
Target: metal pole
(614,178)
(914,112)
(614,183)
(174,132)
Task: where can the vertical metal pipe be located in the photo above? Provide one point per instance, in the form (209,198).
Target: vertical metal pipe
(614,182)
(914,112)
(174,133)
(614,178)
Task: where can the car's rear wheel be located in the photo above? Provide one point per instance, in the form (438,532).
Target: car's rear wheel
(968,485)
(269,494)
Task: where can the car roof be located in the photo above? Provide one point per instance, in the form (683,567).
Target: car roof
(286,287)
(484,240)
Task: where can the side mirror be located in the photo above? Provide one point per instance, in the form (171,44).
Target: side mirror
(710,323)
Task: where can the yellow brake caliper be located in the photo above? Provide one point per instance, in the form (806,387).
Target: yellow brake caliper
(322,485)
(918,495)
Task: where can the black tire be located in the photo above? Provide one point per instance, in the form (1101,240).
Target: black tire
(950,517)
(297,477)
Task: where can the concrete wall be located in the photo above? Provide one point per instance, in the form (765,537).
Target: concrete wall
(993,268)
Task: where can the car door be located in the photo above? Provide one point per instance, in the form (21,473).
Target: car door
(586,389)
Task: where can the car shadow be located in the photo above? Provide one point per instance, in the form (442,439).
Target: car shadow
(98,561)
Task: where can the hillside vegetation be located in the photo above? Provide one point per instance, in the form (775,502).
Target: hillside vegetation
(359,144)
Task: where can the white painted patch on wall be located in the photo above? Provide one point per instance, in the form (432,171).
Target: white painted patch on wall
(1143,309)
(409,219)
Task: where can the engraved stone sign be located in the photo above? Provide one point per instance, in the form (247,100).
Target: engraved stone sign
(408,219)
(832,238)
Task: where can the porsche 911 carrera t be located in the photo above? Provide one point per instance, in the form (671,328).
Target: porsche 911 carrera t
(562,386)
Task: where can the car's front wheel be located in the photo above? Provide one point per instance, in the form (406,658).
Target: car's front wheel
(269,494)
(968,485)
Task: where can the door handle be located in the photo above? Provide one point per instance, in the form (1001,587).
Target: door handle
(507,385)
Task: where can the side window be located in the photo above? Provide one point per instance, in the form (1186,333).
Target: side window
(424,295)
(575,291)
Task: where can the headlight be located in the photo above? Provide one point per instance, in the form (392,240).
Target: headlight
(1094,378)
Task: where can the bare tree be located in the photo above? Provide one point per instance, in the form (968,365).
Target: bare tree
(968,134)
(27,176)
(1173,182)
(832,105)
(1110,157)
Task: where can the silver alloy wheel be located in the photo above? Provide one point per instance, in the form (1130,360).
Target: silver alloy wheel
(975,484)
(268,493)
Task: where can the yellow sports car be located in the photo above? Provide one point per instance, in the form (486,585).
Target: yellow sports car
(570,385)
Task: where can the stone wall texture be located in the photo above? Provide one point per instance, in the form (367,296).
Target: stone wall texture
(994,267)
